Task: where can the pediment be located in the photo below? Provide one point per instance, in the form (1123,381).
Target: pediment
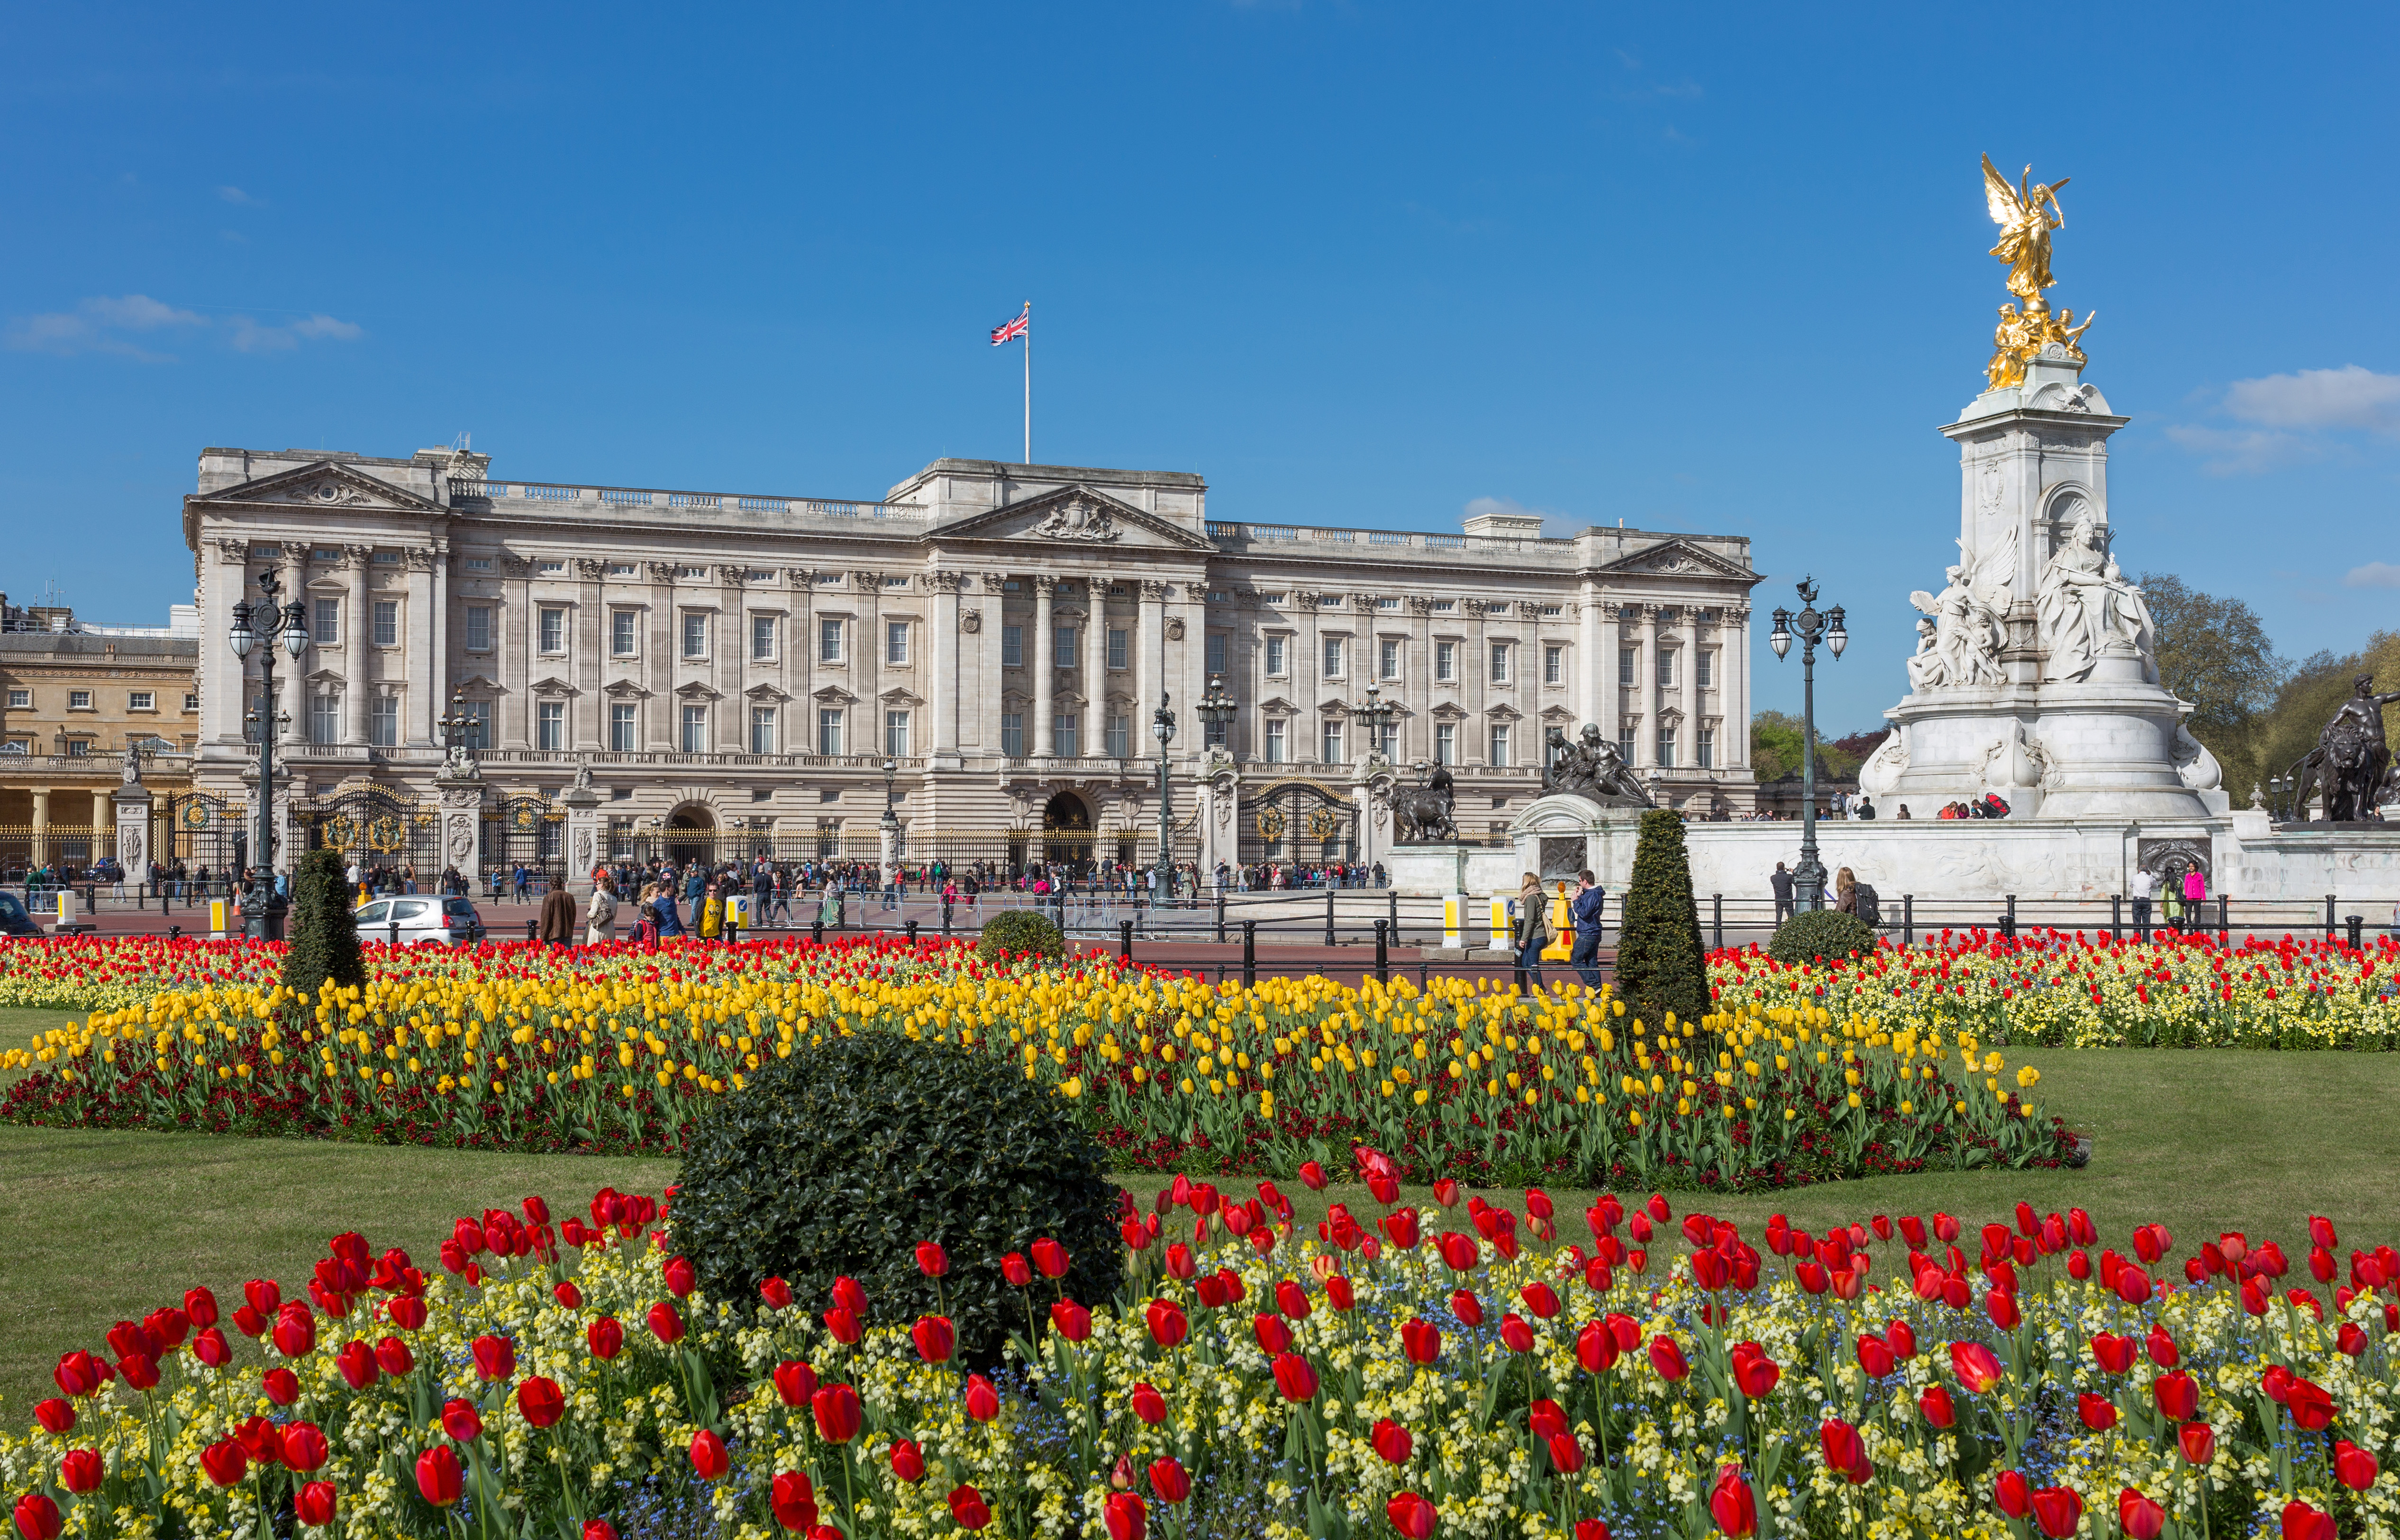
(1505,713)
(325,484)
(1016,698)
(551,683)
(1276,703)
(765,692)
(1561,716)
(833,695)
(1333,705)
(1680,558)
(625,689)
(695,690)
(1074,517)
(327,677)
(482,682)
(1449,711)
(896,696)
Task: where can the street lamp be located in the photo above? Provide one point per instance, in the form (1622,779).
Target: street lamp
(1216,711)
(454,726)
(267,622)
(1377,716)
(1162,727)
(1808,878)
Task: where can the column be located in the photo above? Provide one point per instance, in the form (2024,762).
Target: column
(294,572)
(1646,744)
(867,668)
(586,644)
(513,620)
(354,642)
(1045,674)
(1191,733)
(40,855)
(661,720)
(727,663)
(1611,694)
(1691,733)
(799,659)
(429,677)
(944,679)
(1151,678)
(1592,670)
(415,727)
(1733,696)
(103,821)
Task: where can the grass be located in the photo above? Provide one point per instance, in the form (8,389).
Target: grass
(104,1226)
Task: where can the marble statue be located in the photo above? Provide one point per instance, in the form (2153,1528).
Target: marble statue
(132,763)
(1591,768)
(2088,609)
(1421,815)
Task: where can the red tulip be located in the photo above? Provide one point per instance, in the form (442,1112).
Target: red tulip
(2310,1407)
(314,1503)
(1666,1358)
(776,1293)
(295,1331)
(1515,1335)
(794,1383)
(708,1456)
(1596,1348)
(407,1312)
(265,1295)
(1168,1480)
(1050,1256)
(1291,1299)
(1567,1454)
(1339,1293)
(356,1362)
(259,1440)
(2134,1287)
(1939,1410)
(1731,1504)
(1590,1529)
(567,1294)
(2138,1516)
(1412,1516)
(932,1260)
(2177,1394)
(665,1324)
(908,1461)
(1312,1175)
(38,1517)
(2058,1510)
(2013,1495)
(1459,1251)
(209,1345)
(224,1461)
(1753,1371)
(2353,1467)
(2112,1353)
(281,1385)
(2098,1413)
(1392,1441)
(1294,1377)
(2304,1522)
(848,1295)
(1070,1320)
(55,1415)
(935,1337)
(437,1476)
(606,1337)
(541,1401)
(1167,1326)
(1273,1336)
(462,1420)
(2351,1339)
(496,1357)
(1976,1368)
(2161,1348)
(842,1326)
(1466,1307)
(2198,1442)
(983,1399)
(1846,1453)
(793,1498)
(1126,1517)
(837,1411)
(677,1273)
(80,1471)
(1015,1268)
(303,1447)
(1400,1225)
(1148,1404)
(968,1509)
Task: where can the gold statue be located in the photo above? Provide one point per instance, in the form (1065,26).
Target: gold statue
(2012,341)
(2025,213)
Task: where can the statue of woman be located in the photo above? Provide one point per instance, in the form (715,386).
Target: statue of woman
(2086,607)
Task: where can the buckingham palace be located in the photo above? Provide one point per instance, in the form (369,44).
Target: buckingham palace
(984,650)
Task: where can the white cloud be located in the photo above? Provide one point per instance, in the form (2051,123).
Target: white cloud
(2318,399)
(2373,575)
(103,323)
(234,195)
(2244,451)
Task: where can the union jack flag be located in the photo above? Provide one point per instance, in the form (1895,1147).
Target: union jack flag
(1010,331)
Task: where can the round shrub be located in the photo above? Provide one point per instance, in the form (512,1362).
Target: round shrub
(1020,930)
(1821,935)
(838,1160)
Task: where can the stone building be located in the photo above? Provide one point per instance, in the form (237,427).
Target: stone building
(737,671)
(72,696)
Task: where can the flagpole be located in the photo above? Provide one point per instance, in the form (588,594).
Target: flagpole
(1029,382)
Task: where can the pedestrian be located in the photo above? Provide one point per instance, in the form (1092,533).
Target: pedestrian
(949,898)
(1533,930)
(2143,885)
(2195,890)
(600,919)
(663,907)
(558,914)
(1846,892)
(1863,810)
(1590,903)
(1782,882)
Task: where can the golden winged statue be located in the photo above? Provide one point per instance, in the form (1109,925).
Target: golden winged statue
(2025,213)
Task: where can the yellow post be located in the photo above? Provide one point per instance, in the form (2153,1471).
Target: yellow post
(1500,930)
(1561,945)
(217,907)
(1454,922)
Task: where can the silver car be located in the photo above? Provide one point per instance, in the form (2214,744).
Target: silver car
(415,921)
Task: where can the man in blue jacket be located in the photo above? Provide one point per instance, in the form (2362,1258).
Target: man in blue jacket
(1584,910)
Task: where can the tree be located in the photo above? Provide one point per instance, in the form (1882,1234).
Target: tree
(326,942)
(1660,965)
(2214,653)
(1775,749)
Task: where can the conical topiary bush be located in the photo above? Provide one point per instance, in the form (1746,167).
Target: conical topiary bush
(325,944)
(1660,963)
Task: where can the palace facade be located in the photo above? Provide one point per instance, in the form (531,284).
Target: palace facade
(985,647)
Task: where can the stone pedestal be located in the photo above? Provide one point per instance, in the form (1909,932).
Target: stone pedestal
(461,801)
(133,853)
(1438,870)
(582,805)
(1559,836)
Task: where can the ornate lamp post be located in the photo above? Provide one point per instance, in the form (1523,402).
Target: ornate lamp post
(1809,876)
(1162,727)
(1377,716)
(1216,711)
(267,622)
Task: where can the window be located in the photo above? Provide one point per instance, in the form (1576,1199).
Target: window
(1704,752)
(1666,668)
(478,724)
(1012,646)
(1500,744)
(620,569)
(1118,639)
(1119,736)
(1390,745)
(1063,733)
(1445,661)
(1387,603)
(762,638)
(324,719)
(1445,742)
(191,700)
(383,721)
(1276,728)
(479,628)
(695,730)
(895,735)
(20,700)
(550,567)
(1332,656)
(1499,662)
(325,624)
(1554,665)
(1274,654)
(621,728)
(142,700)
(1388,661)
(1666,748)
(1554,609)
(1624,743)
(829,641)
(1628,666)
(1329,745)
(895,642)
(622,632)
(829,729)
(479,563)
(1707,664)
(762,729)
(78,748)
(1443,607)
(554,629)
(389,557)
(78,700)
(695,633)
(1012,734)
(1062,647)
(386,623)
(550,726)
(1217,652)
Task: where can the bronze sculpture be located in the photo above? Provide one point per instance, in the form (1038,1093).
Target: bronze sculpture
(1420,814)
(2349,765)
(1591,768)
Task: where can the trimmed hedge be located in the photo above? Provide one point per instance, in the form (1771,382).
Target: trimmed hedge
(1022,931)
(325,939)
(1661,966)
(1821,935)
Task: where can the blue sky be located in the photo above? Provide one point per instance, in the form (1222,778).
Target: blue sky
(1358,264)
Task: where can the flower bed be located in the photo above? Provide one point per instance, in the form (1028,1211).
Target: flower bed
(1403,1371)
(615,1049)
(2062,989)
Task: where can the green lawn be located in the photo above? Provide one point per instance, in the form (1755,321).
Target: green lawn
(103,1226)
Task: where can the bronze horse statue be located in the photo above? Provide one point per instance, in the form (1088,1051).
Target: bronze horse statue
(1421,815)
(2349,764)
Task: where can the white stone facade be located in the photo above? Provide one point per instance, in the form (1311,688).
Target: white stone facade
(745,665)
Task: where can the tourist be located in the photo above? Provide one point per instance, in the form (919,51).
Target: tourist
(663,908)
(558,915)
(1782,882)
(523,882)
(1904,812)
(2143,885)
(600,919)
(1863,810)
(712,912)
(1590,903)
(1846,892)
(2195,890)
(1532,931)
(829,905)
